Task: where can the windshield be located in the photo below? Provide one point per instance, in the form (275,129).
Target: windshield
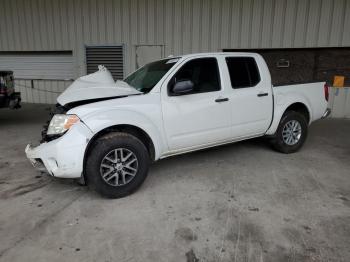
(149,75)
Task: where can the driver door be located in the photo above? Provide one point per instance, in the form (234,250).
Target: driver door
(200,117)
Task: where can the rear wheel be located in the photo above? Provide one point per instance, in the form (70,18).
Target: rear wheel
(291,133)
(117,165)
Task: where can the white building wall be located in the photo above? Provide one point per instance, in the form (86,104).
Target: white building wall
(339,102)
(182,26)
(179,26)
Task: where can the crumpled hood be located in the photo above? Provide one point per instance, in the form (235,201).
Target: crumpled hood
(95,86)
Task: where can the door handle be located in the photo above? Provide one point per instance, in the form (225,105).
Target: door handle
(262,94)
(221,99)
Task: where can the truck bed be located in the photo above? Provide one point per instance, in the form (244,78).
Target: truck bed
(312,94)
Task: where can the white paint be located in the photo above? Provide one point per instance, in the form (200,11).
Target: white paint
(184,123)
(97,85)
(311,95)
(63,157)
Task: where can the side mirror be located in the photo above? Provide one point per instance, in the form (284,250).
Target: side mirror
(182,87)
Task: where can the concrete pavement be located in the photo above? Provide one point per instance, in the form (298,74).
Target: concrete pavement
(240,202)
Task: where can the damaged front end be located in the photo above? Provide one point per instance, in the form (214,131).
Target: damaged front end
(92,88)
(58,109)
(64,137)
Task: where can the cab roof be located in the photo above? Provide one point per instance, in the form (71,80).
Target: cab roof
(214,54)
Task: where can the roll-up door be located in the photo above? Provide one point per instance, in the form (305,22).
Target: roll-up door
(39,76)
(109,56)
(38,65)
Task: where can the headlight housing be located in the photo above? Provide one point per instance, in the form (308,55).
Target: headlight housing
(60,123)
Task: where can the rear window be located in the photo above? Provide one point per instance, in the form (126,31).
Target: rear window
(243,71)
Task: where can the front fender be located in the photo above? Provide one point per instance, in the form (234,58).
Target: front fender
(101,120)
(282,102)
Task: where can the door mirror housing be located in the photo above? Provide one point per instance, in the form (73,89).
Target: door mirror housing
(182,87)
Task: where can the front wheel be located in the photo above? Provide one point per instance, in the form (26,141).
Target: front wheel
(117,165)
(291,133)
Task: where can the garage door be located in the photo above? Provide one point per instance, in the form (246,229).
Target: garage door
(40,76)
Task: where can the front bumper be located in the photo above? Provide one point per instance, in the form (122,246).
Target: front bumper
(327,113)
(64,156)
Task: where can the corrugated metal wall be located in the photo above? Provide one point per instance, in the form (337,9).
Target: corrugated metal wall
(182,26)
(179,26)
(339,102)
(40,91)
(40,76)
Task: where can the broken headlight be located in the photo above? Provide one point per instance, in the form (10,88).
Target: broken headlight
(60,123)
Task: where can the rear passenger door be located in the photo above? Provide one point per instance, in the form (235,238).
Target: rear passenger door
(250,97)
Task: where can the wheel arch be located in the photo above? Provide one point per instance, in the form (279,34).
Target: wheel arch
(299,106)
(138,132)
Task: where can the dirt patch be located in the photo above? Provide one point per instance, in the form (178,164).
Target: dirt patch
(191,256)
(246,241)
(345,200)
(23,189)
(4,164)
(245,232)
(292,254)
(307,229)
(185,233)
(337,230)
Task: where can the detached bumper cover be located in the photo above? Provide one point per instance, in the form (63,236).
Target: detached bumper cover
(37,163)
(64,156)
(327,113)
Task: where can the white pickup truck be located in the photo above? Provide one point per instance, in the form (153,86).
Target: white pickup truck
(109,132)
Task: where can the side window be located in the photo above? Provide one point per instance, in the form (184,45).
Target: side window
(203,72)
(243,71)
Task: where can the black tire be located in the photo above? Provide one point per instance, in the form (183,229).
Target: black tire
(278,142)
(101,148)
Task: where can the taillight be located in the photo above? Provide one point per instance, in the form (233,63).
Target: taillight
(326,92)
